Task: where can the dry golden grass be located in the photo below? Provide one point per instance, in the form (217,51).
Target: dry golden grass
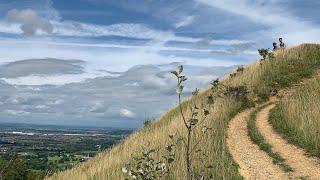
(260,79)
(298,116)
(108,165)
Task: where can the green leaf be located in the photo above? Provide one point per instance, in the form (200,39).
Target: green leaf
(170,160)
(195,92)
(183,78)
(175,73)
(169,148)
(193,121)
(180,69)
(179,89)
(215,83)
(206,112)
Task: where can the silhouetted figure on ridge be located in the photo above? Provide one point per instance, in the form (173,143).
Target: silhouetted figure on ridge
(275,46)
(282,45)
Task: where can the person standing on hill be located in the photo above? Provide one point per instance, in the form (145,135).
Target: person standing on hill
(275,46)
(282,45)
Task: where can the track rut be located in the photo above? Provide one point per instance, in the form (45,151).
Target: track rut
(254,163)
(303,166)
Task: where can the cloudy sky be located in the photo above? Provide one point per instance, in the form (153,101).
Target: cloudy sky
(106,62)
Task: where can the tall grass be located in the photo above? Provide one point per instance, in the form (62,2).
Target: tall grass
(297,117)
(108,165)
(287,68)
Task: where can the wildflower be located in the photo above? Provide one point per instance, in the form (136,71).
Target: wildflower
(124,170)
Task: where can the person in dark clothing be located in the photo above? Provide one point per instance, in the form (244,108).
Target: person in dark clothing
(282,45)
(275,46)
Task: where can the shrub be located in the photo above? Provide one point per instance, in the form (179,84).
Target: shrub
(147,122)
(265,54)
(146,167)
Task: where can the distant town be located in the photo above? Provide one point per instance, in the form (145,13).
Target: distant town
(55,148)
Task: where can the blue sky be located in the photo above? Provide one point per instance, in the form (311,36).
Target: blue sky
(88,45)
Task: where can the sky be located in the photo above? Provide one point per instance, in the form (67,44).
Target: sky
(107,62)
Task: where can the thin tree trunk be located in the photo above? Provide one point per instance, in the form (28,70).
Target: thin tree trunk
(188,158)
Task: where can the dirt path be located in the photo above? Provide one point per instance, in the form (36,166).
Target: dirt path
(254,163)
(302,165)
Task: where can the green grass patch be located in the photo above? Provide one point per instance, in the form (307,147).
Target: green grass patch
(53,158)
(305,136)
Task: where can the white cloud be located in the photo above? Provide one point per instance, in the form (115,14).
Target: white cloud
(267,12)
(139,31)
(15,112)
(185,22)
(98,107)
(103,98)
(15,101)
(71,28)
(126,113)
(133,84)
(103,58)
(104,45)
(29,21)
(56,102)
(271,14)
(34,80)
(41,107)
(208,41)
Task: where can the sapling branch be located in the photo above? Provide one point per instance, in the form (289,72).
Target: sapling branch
(189,124)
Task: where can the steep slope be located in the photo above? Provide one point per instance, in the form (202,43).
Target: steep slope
(288,67)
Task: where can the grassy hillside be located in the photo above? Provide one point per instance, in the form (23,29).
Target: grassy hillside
(288,67)
(297,116)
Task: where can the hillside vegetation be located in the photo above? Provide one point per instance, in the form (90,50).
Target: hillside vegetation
(297,117)
(261,79)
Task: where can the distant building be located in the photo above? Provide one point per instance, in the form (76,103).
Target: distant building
(4,150)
